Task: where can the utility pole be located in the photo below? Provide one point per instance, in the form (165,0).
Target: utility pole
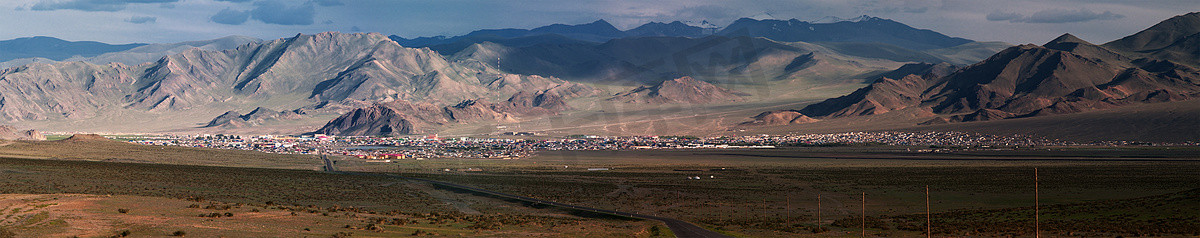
(864,214)
(928,217)
(1037,223)
(818,211)
(788,199)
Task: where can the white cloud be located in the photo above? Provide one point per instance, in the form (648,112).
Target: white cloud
(90,5)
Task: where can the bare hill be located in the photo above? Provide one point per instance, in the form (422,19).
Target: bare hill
(12,133)
(680,90)
(260,115)
(405,118)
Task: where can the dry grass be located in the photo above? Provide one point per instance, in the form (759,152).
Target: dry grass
(116,151)
(82,215)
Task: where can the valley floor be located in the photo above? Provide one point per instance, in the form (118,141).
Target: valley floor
(1089,191)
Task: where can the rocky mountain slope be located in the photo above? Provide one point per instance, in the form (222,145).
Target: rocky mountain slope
(291,72)
(1176,39)
(402,117)
(650,60)
(685,90)
(258,116)
(1066,75)
(12,133)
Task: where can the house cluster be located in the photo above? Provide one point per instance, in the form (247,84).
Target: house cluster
(427,147)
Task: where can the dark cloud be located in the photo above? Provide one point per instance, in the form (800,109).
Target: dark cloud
(1003,16)
(276,12)
(1054,16)
(230,17)
(328,3)
(90,5)
(233,0)
(1065,16)
(141,19)
(916,10)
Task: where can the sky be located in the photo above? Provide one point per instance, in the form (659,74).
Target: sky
(165,21)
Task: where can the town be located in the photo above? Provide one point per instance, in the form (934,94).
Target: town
(426,147)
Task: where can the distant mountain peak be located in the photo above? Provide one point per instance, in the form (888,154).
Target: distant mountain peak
(827,19)
(701,24)
(1159,36)
(833,19)
(1067,38)
(763,16)
(863,18)
(684,89)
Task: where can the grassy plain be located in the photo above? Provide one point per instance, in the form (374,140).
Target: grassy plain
(100,149)
(1088,191)
(773,193)
(83,198)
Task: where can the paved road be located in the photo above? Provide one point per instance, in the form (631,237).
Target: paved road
(681,228)
(328,164)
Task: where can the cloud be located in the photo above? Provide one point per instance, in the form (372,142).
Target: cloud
(141,19)
(1065,16)
(355,29)
(19,8)
(916,10)
(1003,16)
(233,0)
(230,17)
(276,12)
(329,3)
(90,5)
(1054,16)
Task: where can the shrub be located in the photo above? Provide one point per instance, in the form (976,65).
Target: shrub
(122,210)
(179,233)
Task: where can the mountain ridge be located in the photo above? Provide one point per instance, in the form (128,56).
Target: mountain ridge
(304,69)
(1064,76)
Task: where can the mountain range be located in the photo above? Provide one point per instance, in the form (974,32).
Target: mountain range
(1064,76)
(404,117)
(763,69)
(315,72)
(863,29)
(142,53)
(55,49)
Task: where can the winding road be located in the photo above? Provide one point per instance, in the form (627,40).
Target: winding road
(681,228)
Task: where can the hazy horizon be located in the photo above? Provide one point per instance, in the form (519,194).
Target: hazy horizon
(168,21)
